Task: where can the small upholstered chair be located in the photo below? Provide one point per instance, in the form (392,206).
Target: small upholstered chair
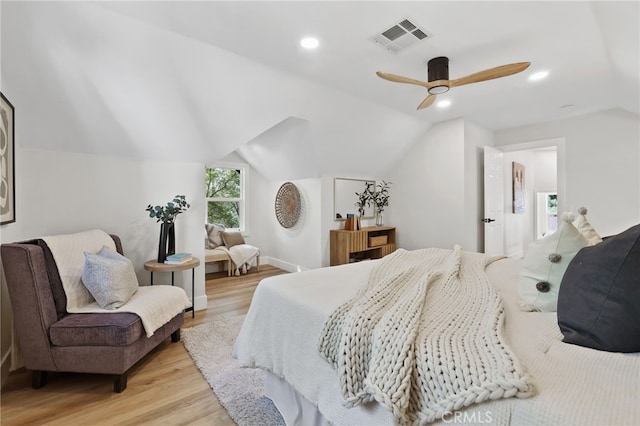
(51,339)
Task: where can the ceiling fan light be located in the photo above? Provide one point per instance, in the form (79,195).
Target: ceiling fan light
(438,90)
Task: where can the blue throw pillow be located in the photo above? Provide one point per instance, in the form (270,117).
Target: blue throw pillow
(599,299)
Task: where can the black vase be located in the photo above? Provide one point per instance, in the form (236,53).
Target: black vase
(167,244)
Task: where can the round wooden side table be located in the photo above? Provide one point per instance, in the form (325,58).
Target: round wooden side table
(153,266)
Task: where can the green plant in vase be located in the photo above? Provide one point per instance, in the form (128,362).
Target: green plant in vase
(364,199)
(167,215)
(379,195)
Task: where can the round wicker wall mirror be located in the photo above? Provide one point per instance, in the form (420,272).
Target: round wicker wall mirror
(288,205)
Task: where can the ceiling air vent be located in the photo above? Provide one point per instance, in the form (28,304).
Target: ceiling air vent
(400,36)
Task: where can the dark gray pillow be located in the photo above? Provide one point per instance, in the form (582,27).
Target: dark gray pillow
(599,299)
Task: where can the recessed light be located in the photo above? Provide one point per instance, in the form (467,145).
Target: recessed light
(309,42)
(445,103)
(538,75)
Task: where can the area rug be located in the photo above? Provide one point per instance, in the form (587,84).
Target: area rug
(239,390)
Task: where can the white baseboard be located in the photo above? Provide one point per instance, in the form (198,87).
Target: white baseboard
(200,303)
(289,267)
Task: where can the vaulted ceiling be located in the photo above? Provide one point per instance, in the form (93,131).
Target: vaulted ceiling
(195,81)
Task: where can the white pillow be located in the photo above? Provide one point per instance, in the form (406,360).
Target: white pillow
(213,234)
(585,227)
(109,277)
(544,265)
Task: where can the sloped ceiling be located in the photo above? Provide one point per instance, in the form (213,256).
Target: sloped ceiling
(194,81)
(272,152)
(589,48)
(86,79)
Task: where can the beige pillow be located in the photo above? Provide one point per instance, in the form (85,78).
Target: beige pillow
(232,238)
(545,264)
(213,234)
(585,227)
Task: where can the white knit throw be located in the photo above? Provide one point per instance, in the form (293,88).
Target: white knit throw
(424,338)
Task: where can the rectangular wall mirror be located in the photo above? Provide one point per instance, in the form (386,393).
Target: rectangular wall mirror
(345,198)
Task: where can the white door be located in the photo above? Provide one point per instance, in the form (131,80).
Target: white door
(493,201)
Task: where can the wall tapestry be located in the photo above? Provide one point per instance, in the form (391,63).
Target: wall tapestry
(518,187)
(288,205)
(7,160)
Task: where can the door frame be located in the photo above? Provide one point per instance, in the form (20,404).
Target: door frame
(559,143)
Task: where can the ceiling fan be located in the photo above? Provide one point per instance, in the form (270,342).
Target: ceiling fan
(438,77)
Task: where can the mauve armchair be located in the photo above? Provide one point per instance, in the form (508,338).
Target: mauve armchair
(51,339)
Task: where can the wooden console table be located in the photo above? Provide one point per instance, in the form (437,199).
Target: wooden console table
(367,243)
(154,266)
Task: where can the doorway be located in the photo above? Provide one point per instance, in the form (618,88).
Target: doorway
(544,174)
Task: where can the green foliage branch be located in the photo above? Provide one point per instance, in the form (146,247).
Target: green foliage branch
(376,194)
(168,213)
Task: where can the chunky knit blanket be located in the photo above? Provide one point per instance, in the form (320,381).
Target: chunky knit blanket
(423,337)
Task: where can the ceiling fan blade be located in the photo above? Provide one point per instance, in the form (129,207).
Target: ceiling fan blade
(401,79)
(491,73)
(427,101)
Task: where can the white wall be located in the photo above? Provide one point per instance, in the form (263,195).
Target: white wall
(601,164)
(295,248)
(437,191)
(518,227)
(60,193)
(427,197)
(475,138)
(546,166)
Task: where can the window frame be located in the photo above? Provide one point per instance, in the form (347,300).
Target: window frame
(244,193)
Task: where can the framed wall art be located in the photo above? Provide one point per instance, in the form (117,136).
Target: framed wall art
(518,187)
(7,161)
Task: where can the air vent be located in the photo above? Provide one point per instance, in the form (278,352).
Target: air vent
(400,36)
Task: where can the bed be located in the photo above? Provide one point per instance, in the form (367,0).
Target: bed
(573,384)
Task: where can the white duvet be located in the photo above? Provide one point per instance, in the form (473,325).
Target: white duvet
(575,385)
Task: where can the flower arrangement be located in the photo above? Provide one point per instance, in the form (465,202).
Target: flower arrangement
(168,213)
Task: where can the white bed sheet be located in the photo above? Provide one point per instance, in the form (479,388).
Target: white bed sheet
(575,385)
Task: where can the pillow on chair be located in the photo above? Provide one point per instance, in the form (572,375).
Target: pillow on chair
(109,277)
(233,238)
(213,234)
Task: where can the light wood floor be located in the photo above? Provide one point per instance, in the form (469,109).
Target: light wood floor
(164,388)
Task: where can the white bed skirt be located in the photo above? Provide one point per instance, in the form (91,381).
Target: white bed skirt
(295,409)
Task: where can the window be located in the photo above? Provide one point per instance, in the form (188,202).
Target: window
(546,213)
(226,195)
